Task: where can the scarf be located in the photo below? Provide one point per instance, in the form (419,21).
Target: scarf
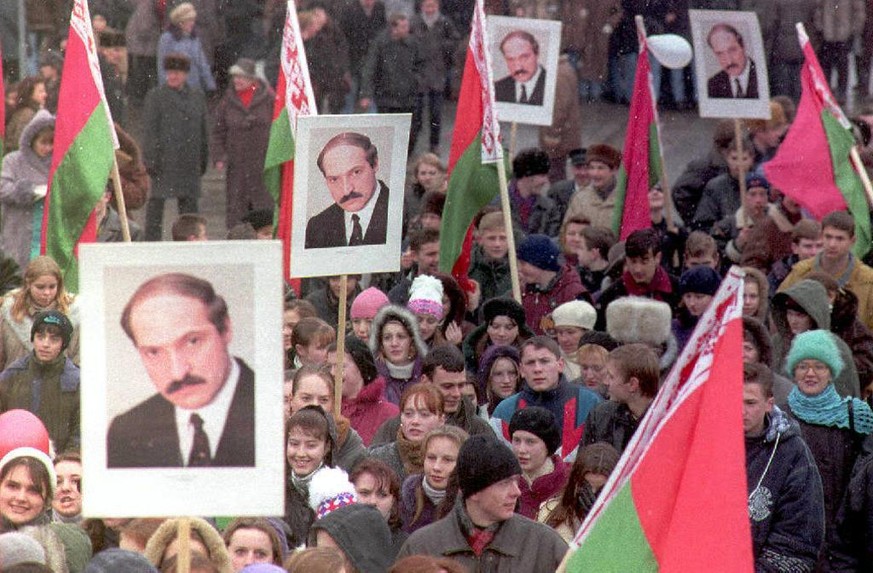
(829,409)
(477,537)
(411,454)
(436,496)
(301,484)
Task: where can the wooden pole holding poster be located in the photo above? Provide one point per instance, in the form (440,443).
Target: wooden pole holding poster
(183,534)
(340,347)
(741,177)
(510,236)
(513,133)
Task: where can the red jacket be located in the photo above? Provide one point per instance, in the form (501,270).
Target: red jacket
(369,409)
(539,302)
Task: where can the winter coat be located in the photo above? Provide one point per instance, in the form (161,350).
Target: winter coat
(786,507)
(688,189)
(859,339)
(369,410)
(840,20)
(778,19)
(174,42)
(327,54)
(416,509)
(15,334)
(360,532)
(588,24)
(327,305)
(50,390)
(239,138)
(589,204)
(721,197)
(538,302)
(812,297)
(22,210)
(390,454)
(465,418)
(544,217)
(298,515)
(174,142)
(135,182)
(519,544)
(392,72)
(769,240)
(361,30)
(542,488)
(683,327)
(143,29)
(211,23)
(610,422)
(491,274)
(565,133)
(852,548)
(350,447)
(438,44)
(17,121)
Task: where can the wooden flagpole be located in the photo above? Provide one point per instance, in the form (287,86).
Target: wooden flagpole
(119,199)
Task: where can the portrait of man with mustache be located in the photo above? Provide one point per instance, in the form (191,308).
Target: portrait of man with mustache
(358,216)
(526,82)
(203,413)
(738,77)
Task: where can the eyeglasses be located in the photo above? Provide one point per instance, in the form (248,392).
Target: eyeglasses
(817,367)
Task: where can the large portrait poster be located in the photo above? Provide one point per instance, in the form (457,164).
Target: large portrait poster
(524,60)
(349,173)
(182,379)
(730,64)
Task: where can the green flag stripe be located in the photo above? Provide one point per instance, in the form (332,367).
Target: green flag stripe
(620,196)
(279,150)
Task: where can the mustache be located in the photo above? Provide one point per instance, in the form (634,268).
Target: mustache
(519,72)
(349,197)
(188,380)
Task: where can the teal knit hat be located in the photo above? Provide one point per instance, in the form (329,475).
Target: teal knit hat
(815,345)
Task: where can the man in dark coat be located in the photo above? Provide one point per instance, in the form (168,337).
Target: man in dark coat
(526,82)
(738,77)
(361,21)
(175,148)
(204,412)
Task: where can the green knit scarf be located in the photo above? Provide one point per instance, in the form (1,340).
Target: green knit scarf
(829,409)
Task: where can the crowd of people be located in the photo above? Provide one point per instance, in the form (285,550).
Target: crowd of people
(475,431)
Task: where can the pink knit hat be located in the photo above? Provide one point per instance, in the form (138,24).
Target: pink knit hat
(368,303)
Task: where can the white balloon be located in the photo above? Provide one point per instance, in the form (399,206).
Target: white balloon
(670,50)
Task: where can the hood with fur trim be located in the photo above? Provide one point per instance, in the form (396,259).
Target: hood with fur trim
(166,533)
(393,312)
(639,319)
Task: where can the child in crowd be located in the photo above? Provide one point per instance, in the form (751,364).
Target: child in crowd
(490,265)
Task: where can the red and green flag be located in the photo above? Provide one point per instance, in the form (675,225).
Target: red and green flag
(84,151)
(294,98)
(813,164)
(473,156)
(677,500)
(641,160)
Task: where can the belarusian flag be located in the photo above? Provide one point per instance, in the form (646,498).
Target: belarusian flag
(812,165)
(294,98)
(641,161)
(677,500)
(475,150)
(84,150)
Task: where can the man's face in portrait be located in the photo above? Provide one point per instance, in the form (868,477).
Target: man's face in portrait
(185,355)
(731,55)
(350,179)
(521,60)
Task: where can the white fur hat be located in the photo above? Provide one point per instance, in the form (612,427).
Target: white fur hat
(639,319)
(575,313)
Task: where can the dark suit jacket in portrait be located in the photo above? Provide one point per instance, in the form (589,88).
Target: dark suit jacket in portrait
(328,228)
(504,90)
(146,436)
(719,85)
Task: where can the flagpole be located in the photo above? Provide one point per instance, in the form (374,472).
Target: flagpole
(862,173)
(119,199)
(738,141)
(513,131)
(340,346)
(510,235)
(183,534)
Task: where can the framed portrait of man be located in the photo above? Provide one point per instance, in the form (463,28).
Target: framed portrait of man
(349,175)
(183,360)
(524,61)
(730,64)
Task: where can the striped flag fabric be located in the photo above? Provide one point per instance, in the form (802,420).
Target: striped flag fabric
(677,500)
(84,150)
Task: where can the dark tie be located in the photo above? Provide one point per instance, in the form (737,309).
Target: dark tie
(739,87)
(523,98)
(200,449)
(357,232)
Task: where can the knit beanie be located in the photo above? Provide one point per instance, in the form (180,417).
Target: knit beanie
(604,154)
(114,560)
(503,306)
(575,313)
(482,462)
(529,162)
(362,357)
(329,490)
(700,280)
(17,547)
(53,318)
(755,180)
(40,456)
(77,545)
(426,296)
(814,345)
(20,428)
(539,422)
(368,303)
(540,251)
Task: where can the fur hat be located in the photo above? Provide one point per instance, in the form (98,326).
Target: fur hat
(53,318)
(368,303)
(604,154)
(533,161)
(17,547)
(504,306)
(540,251)
(182,12)
(114,560)
(639,319)
(111,38)
(362,357)
(575,313)
(482,462)
(395,313)
(178,62)
(700,279)
(168,531)
(245,67)
(814,345)
(577,156)
(38,455)
(539,422)
(330,490)
(426,296)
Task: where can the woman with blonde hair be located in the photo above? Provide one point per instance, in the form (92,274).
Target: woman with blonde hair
(43,290)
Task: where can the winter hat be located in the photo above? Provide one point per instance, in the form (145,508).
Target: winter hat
(54,318)
(77,545)
(577,156)
(575,313)
(40,456)
(361,533)
(639,319)
(484,461)
(329,490)
(539,422)
(182,12)
(368,303)
(814,345)
(529,162)
(755,180)
(114,560)
(20,428)
(259,218)
(503,306)
(426,296)
(178,62)
(244,67)
(111,38)
(362,357)
(604,154)
(17,547)
(169,531)
(700,280)
(600,339)
(540,251)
